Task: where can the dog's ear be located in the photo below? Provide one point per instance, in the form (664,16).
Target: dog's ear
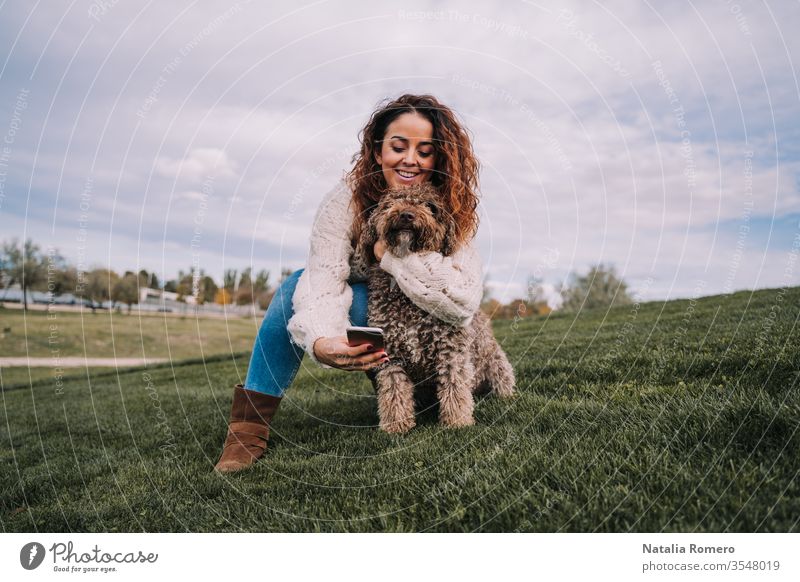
(369,236)
(449,243)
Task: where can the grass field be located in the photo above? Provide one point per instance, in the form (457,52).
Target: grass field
(677,416)
(107,335)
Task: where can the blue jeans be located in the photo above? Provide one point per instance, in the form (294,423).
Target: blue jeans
(276,359)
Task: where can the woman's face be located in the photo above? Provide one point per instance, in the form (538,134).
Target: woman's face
(407,155)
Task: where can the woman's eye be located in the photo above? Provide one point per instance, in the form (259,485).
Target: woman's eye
(398,150)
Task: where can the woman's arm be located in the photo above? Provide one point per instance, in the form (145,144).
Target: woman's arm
(322,298)
(450,288)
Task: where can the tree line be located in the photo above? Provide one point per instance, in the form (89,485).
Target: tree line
(35,270)
(27,265)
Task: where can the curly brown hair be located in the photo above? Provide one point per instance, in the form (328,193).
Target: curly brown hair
(455,173)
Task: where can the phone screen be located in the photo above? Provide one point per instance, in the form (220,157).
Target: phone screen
(357,336)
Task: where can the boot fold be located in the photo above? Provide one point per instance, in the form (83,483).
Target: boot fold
(248,429)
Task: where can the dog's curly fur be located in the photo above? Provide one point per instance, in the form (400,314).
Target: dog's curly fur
(426,353)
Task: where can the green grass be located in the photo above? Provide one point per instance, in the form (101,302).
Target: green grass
(19,376)
(109,334)
(677,416)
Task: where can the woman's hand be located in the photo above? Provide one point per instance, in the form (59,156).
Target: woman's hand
(335,352)
(379,249)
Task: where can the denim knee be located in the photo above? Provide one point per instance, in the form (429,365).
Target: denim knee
(275,359)
(284,293)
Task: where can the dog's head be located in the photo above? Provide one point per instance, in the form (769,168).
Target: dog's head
(411,220)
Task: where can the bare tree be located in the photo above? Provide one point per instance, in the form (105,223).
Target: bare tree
(262,281)
(229,279)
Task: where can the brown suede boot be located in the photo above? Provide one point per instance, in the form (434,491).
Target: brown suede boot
(248,429)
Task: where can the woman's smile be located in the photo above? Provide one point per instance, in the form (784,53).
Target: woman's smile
(407,175)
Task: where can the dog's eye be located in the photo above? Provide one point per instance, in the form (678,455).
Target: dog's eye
(433,208)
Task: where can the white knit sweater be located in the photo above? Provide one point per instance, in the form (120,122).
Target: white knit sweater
(449,288)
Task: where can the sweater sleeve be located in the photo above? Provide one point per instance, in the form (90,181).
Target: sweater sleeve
(322,298)
(450,288)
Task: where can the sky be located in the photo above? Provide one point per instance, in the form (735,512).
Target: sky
(659,138)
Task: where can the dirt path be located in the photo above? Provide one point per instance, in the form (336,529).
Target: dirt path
(78,362)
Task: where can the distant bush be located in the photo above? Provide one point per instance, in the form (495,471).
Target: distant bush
(518,308)
(600,287)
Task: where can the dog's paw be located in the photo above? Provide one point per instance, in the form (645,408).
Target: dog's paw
(401,426)
(457,421)
(505,392)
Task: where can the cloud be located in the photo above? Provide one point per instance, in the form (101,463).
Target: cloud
(198,165)
(628,133)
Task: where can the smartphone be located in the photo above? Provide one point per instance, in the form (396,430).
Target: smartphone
(357,336)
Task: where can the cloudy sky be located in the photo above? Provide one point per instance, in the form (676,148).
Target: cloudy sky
(662,138)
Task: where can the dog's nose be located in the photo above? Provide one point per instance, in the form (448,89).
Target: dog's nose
(406,217)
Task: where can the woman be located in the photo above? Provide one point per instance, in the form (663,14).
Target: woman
(410,140)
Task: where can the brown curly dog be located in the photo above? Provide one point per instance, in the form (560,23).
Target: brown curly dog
(426,353)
